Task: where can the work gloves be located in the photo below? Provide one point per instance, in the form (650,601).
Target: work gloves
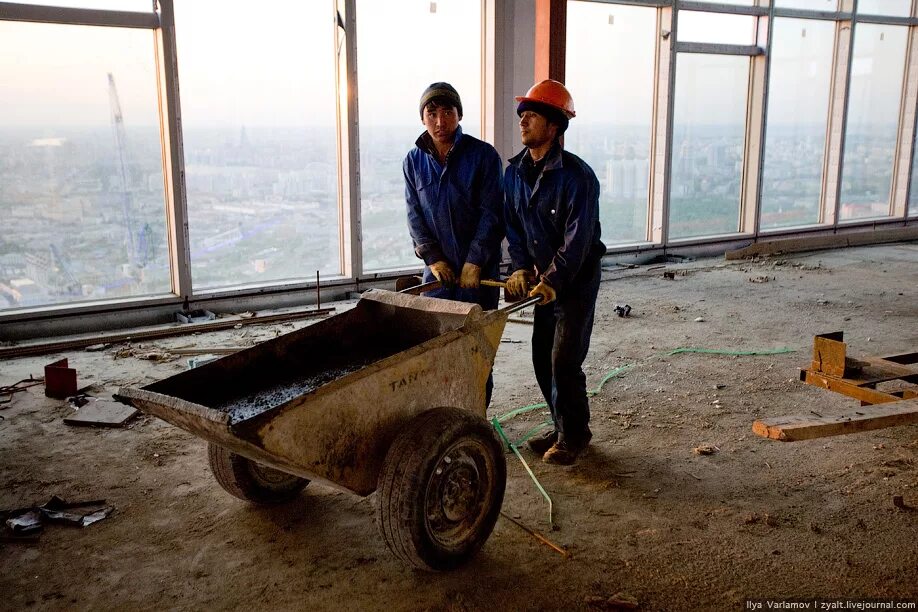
(470,276)
(442,272)
(545,291)
(518,283)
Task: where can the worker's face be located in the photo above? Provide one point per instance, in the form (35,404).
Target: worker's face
(536,130)
(441,122)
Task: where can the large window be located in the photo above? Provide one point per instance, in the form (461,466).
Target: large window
(709,122)
(610,69)
(873,120)
(81,183)
(259,120)
(812,5)
(717,28)
(435,41)
(798,99)
(891,8)
(913,189)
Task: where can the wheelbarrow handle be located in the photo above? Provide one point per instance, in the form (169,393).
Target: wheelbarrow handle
(419,289)
(510,308)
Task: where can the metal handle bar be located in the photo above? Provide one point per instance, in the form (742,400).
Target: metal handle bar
(510,308)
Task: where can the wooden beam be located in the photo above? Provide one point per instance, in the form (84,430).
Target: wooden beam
(807,427)
(550,39)
(851,387)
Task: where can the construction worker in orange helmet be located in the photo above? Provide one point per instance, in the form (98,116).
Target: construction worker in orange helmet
(551,211)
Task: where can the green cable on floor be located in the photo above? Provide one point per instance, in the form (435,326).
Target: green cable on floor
(514,446)
(503,436)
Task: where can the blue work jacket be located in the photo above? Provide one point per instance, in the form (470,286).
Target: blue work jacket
(552,226)
(454,210)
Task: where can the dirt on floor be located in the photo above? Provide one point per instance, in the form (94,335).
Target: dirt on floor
(645,518)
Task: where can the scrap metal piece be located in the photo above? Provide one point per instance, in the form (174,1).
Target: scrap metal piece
(60,380)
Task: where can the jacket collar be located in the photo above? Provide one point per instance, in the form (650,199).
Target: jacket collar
(553,159)
(425,142)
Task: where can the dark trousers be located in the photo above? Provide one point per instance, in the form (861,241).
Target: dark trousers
(560,341)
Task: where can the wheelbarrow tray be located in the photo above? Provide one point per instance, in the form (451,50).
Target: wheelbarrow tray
(325,402)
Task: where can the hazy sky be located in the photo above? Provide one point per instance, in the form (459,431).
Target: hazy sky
(275,67)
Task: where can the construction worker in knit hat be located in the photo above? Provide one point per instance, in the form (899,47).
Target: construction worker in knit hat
(454,195)
(551,214)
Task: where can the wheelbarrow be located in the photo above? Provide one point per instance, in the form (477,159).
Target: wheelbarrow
(388,396)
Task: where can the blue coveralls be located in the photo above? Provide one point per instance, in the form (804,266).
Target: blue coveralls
(454,211)
(454,214)
(552,224)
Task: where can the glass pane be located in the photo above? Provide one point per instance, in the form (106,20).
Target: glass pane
(612,131)
(718,28)
(709,122)
(136,6)
(798,102)
(913,190)
(873,110)
(259,124)
(811,5)
(81,183)
(892,8)
(444,45)
(737,2)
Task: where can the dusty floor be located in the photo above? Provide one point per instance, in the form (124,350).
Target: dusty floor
(642,514)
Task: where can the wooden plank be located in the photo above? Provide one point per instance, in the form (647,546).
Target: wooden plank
(846,387)
(832,241)
(829,354)
(807,427)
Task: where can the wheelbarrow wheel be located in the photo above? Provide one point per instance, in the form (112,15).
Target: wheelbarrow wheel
(251,481)
(441,489)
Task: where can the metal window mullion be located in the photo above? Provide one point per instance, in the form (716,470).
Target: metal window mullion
(173,152)
(881,20)
(905,141)
(718,49)
(659,229)
(349,217)
(805,14)
(757,125)
(836,126)
(11,11)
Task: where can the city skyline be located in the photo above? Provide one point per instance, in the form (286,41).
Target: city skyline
(263,203)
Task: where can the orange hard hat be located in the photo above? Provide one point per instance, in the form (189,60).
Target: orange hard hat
(553,94)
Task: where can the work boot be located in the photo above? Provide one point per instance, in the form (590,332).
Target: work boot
(566,452)
(540,444)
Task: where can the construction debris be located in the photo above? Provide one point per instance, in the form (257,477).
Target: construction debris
(18,387)
(60,380)
(24,521)
(96,412)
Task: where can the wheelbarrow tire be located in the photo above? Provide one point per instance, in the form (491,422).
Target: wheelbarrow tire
(441,488)
(249,480)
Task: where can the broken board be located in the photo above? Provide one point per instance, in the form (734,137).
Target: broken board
(102,413)
(866,418)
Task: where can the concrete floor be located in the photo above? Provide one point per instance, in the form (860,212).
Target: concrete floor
(643,516)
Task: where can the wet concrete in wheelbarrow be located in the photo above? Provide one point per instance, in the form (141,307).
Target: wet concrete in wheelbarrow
(260,401)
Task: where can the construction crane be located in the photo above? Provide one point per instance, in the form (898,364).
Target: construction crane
(121,148)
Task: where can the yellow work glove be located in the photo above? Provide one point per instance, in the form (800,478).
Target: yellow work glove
(518,283)
(544,291)
(443,273)
(470,276)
